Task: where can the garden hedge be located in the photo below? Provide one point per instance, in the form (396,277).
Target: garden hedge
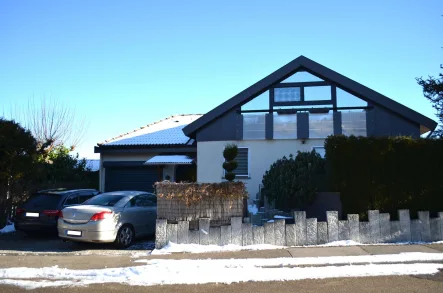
(386,173)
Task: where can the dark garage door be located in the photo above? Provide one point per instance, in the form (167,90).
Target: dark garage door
(131,178)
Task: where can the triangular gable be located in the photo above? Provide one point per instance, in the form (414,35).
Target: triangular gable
(303,63)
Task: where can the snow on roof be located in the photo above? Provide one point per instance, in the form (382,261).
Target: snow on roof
(166,131)
(172,159)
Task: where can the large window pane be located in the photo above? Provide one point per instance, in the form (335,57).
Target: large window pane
(254,126)
(317,93)
(288,94)
(321,125)
(345,99)
(353,123)
(285,126)
(260,102)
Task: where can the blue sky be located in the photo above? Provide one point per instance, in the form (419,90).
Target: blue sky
(124,64)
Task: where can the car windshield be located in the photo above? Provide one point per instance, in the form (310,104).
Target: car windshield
(46,201)
(104,200)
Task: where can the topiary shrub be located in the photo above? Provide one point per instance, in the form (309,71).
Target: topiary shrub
(292,183)
(230,153)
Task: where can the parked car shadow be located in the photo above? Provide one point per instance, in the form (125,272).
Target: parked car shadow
(20,242)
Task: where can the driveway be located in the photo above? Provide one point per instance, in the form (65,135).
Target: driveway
(18,243)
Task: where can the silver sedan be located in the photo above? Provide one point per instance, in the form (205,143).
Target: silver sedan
(119,217)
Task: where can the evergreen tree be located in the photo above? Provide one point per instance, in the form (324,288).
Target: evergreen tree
(18,155)
(433,91)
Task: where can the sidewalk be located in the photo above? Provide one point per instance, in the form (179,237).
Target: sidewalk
(308,252)
(112,260)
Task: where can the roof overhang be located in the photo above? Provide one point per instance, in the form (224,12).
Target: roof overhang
(146,148)
(169,160)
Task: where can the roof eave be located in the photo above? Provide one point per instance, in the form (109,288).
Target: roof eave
(101,148)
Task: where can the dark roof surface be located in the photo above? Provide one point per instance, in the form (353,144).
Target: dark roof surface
(303,63)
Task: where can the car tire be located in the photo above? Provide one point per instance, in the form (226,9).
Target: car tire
(125,236)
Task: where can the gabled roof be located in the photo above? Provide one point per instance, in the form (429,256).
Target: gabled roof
(303,63)
(168,131)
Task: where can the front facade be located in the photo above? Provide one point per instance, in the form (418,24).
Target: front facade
(294,109)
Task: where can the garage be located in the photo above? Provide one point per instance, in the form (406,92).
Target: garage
(132,178)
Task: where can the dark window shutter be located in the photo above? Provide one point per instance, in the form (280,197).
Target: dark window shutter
(242,160)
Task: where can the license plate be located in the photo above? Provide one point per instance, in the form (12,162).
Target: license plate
(32,215)
(74,233)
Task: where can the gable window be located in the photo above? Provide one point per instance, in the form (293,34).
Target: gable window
(321,125)
(254,126)
(288,94)
(353,123)
(242,170)
(285,126)
(302,76)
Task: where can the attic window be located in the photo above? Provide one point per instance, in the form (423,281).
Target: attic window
(289,94)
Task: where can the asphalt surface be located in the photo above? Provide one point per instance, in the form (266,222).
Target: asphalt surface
(19,242)
(403,284)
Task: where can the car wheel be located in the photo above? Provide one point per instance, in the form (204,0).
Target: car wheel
(125,236)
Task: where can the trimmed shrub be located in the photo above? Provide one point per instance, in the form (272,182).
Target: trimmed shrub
(386,173)
(230,153)
(292,183)
(191,201)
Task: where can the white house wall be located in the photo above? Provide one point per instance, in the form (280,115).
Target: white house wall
(262,153)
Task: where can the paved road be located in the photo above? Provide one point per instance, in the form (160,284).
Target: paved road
(404,284)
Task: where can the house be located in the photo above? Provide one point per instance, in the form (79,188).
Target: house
(155,152)
(294,108)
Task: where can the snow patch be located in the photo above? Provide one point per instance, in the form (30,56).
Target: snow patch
(340,243)
(281,217)
(197,248)
(163,271)
(8,229)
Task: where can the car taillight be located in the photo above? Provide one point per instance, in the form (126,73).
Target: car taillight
(19,211)
(60,214)
(51,213)
(101,216)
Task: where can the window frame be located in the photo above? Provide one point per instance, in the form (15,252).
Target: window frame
(248,176)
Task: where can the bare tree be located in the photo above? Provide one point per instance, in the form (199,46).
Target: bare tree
(52,122)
